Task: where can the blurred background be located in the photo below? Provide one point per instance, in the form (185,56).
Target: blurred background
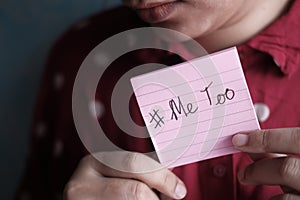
(28,29)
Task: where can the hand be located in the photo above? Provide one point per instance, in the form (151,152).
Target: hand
(284,171)
(94,180)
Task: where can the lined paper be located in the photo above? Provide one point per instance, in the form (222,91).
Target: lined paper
(191,110)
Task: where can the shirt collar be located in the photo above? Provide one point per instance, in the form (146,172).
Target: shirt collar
(281,40)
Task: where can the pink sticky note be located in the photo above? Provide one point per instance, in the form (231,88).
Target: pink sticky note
(191,110)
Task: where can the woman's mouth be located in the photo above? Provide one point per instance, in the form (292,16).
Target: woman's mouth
(156,12)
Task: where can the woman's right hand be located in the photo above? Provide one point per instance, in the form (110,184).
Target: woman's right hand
(94,180)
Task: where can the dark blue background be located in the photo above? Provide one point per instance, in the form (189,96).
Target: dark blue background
(28,28)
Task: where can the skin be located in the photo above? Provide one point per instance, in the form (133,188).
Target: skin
(272,170)
(215,24)
(218,24)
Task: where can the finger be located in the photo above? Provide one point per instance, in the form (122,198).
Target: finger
(269,141)
(278,171)
(108,188)
(286,197)
(121,189)
(140,167)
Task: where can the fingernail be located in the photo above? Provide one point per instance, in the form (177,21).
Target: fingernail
(240,140)
(180,191)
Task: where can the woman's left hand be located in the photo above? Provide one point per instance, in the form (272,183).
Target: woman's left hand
(283,171)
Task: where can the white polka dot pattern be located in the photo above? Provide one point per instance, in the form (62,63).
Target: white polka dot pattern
(96,109)
(58,148)
(58,81)
(41,129)
(101,59)
(262,111)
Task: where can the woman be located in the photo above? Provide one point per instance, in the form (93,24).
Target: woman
(266,35)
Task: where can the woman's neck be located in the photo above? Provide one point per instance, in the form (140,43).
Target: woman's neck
(258,18)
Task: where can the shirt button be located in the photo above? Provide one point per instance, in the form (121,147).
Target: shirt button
(262,111)
(219,171)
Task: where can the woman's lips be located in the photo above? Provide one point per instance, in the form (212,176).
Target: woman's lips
(157,13)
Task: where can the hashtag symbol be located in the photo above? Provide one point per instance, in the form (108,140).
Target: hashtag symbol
(156,118)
